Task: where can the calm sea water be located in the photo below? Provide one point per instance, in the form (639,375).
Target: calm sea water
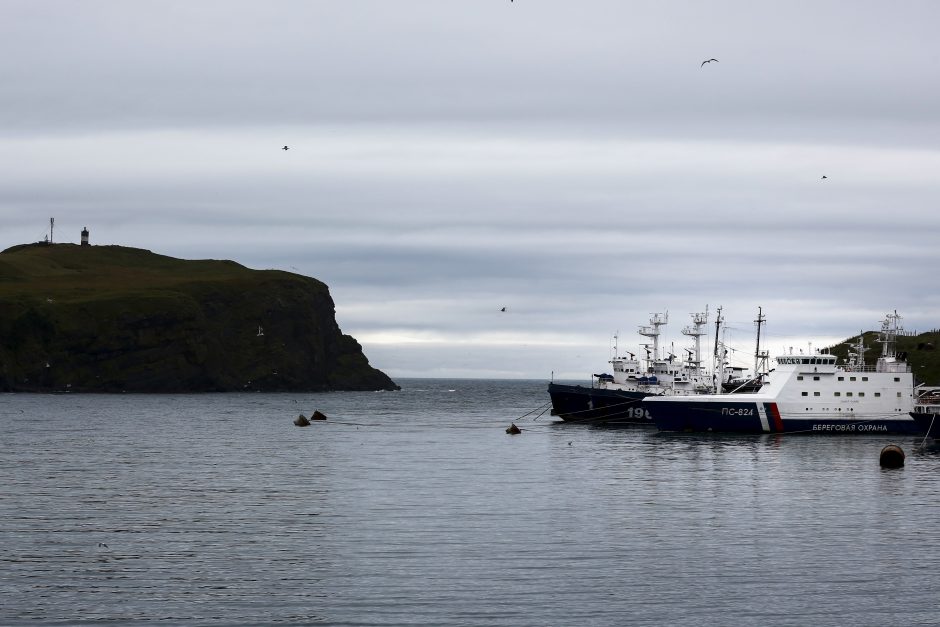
(416,508)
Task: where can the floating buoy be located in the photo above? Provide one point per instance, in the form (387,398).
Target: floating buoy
(892,456)
(317,415)
(513,429)
(302,421)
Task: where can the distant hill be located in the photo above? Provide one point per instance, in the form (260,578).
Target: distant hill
(112,318)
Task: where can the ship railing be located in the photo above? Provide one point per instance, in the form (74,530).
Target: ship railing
(891,367)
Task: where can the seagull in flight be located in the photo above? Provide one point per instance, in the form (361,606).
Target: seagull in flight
(708,61)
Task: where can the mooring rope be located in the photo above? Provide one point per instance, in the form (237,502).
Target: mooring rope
(547,407)
(542,407)
(923,445)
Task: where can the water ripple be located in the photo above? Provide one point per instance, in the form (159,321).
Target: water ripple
(416,508)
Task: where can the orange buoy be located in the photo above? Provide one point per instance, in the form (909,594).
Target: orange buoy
(892,456)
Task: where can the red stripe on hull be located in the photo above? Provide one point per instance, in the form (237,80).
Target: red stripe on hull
(775,416)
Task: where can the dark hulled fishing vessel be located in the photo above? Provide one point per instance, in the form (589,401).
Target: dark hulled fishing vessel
(616,399)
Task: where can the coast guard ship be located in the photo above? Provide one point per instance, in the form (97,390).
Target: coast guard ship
(808,394)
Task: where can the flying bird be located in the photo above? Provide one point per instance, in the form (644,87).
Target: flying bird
(824,176)
(504,309)
(708,61)
(285,148)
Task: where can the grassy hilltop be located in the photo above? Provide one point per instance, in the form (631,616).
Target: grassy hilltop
(112,318)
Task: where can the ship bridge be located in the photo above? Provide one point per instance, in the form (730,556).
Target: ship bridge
(806,360)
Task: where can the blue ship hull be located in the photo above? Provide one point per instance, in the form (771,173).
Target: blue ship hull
(576,403)
(761,416)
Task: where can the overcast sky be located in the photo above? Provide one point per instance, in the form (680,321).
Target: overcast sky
(570,160)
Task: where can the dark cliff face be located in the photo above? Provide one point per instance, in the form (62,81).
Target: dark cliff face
(108,318)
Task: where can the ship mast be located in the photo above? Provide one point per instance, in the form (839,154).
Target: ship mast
(760,357)
(656,320)
(889,360)
(856,358)
(889,335)
(716,369)
(696,331)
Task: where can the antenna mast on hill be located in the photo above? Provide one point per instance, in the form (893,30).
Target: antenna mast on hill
(51,226)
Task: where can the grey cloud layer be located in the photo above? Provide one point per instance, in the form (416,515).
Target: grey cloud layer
(571,161)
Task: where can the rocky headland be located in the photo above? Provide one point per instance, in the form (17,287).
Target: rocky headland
(118,319)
